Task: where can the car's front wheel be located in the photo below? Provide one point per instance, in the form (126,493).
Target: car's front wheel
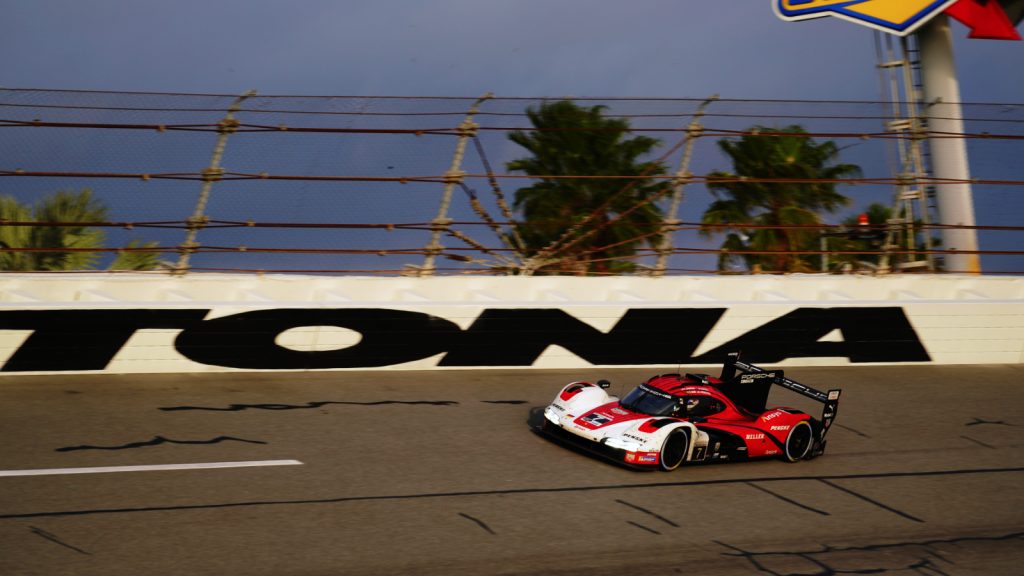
(798,443)
(673,451)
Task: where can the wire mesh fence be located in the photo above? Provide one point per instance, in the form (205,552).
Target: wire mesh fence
(419,186)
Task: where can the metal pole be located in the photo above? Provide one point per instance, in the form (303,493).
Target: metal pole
(452,178)
(682,176)
(211,174)
(949,155)
(824,253)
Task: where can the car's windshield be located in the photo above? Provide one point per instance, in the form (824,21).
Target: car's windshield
(647,400)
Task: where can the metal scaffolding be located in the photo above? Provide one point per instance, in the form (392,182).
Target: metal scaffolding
(907,227)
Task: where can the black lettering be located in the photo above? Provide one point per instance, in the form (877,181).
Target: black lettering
(247,340)
(517,336)
(870,334)
(82,339)
(65,340)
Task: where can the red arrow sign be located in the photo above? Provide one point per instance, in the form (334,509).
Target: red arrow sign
(986,19)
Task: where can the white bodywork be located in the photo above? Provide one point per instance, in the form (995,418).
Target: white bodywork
(625,436)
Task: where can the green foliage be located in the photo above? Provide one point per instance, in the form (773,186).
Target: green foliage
(66,206)
(770,153)
(15,236)
(597,223)
(51,241)
(137,260)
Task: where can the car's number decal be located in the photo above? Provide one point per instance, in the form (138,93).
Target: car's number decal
(698,453)
(597,419)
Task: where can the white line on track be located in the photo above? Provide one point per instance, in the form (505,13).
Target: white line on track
(149,468)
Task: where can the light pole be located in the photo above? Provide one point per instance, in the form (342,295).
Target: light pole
(949,150)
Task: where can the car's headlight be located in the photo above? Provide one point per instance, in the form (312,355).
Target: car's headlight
(551,415)
(621,444)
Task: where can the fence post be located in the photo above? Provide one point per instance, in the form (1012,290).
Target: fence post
(452,178)
(679,181)
(227,126)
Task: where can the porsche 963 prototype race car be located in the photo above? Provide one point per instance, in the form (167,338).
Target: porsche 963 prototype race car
(673,419)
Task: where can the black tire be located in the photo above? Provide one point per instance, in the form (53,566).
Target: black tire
(798,443)
(674,450)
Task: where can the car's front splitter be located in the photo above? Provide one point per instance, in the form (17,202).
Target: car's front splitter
(616,455)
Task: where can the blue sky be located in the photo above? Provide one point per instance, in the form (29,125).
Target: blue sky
(461,48)
(513,48)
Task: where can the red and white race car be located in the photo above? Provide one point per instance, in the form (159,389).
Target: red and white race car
(671,419)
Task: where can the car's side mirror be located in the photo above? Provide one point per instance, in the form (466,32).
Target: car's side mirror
(604,384)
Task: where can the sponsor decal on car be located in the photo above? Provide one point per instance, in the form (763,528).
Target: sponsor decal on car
(751,378)
(597,419)
(755,436)
(771,415)
(654,391)
(779,428)
(649,458)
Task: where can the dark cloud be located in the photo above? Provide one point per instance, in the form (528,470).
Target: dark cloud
(458,47)
(582,48)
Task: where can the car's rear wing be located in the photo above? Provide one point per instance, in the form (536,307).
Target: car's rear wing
(830,399)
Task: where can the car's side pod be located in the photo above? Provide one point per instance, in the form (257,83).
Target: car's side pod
(830,399)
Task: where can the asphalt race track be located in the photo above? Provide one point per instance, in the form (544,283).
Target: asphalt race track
(438,473)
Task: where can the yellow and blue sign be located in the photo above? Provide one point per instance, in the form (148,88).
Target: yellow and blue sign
(894,16)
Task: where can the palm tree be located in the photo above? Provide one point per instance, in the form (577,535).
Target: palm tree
(15,236)
(65,207)
(587,225)
(753,207)
(137,260)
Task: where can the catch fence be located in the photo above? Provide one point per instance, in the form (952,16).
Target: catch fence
(420,185)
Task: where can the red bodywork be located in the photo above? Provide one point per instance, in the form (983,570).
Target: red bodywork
(763,434)
(675,418)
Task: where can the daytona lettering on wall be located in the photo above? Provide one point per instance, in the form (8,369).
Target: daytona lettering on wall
(76,340)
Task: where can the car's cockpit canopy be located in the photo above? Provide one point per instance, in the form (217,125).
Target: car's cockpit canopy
(648,399)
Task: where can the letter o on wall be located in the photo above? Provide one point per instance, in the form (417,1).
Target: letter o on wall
(248,340)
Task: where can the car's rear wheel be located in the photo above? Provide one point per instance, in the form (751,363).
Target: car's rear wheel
(673,451)
(798,443)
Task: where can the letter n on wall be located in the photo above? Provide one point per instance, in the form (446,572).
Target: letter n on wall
(518,336)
